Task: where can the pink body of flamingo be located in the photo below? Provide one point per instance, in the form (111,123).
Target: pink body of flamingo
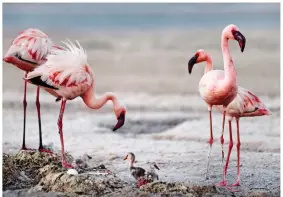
(245,104)
(28,51)
(216,88)
(68,74)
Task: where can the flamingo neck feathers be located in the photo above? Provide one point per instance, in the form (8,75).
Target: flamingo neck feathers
(93,102)
(229,69)
(209,65)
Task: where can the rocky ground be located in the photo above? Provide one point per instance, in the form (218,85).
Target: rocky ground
(29,173)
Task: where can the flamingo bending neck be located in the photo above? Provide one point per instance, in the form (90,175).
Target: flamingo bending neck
(93,102)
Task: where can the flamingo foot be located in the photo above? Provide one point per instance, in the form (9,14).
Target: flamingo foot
(45,150)
(221,183)
(66,165)
(238,182)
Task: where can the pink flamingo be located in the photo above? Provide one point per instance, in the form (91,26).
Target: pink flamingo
(67,73)
(28,51)
(217,87)
(245,104)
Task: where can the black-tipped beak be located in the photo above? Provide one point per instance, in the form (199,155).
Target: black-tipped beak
(156,167)
(125,157)
(241,39)
(121,121)
(89,157)
(191,63)
(58,99)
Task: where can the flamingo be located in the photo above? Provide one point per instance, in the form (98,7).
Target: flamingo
(69,75)
(28,51)
(245,104)
(219,87)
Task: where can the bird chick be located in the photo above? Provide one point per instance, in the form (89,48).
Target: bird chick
(82,161)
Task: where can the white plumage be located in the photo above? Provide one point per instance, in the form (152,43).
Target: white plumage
(67,70)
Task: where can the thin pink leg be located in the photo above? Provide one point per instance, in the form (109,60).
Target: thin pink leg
(60,126)
(222,133)
(238,182)
(210,142)
(25,112)
(224,182)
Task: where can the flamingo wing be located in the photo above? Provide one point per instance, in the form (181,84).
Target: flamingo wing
(245,104)
(31,45)
(250,104)
(63,69)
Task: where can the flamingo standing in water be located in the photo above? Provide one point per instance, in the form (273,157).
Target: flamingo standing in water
(245,104)
(220,88)
(67,73)
(28,51)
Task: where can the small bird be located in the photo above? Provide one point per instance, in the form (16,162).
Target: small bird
(245,104)
(151,173)
(137,172)
(217,87)
(68,74)
(82,162)
(28,51)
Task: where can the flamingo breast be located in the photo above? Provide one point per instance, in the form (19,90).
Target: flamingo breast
(211,90)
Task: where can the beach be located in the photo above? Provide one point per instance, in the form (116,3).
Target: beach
(166,121)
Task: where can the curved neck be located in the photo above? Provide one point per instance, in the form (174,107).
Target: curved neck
(209,65)
(229,69)
(92,102)
(132,162)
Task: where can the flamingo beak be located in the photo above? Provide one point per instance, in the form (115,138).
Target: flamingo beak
(191,63)
(156,167)
(121,121)
(240,38)
(7,59)
(126,157)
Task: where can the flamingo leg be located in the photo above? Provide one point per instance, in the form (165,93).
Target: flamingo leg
(238,182)
(224,182)
(60,126)
(25,110)
(210,143)
(39,119)
(41,148)
(222,133)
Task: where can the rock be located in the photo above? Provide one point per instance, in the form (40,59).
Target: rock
(21,170)
(82,184)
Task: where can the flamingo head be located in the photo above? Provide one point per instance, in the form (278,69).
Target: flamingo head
(199,56)
(120,113)
(130,156)
(232,32)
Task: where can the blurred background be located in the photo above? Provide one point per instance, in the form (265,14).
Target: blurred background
(140,52)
